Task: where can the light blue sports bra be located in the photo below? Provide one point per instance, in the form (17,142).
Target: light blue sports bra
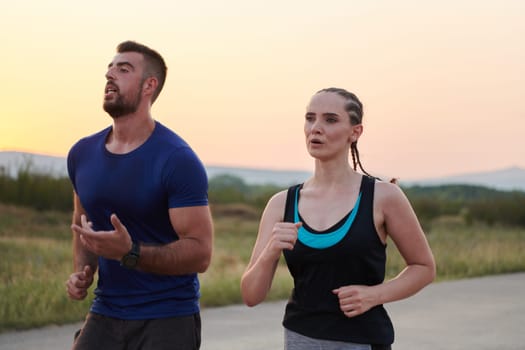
(324,240)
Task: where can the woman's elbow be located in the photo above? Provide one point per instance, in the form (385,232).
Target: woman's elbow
(250,301)
(431,271)
(249,297)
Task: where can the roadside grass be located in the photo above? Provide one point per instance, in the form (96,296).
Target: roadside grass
(33,272)
(234,240)
(36,261)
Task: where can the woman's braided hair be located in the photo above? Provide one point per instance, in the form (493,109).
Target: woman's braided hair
(354,108)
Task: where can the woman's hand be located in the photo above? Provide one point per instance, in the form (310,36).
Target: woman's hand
(356,300)
(283,236)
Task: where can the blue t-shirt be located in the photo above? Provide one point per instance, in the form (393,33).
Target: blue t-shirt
(139,187)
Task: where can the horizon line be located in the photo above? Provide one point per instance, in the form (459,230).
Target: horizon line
(254,168)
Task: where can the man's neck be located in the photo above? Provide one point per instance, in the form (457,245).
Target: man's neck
(129,132)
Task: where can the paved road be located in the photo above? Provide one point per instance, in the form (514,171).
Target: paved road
(480,313)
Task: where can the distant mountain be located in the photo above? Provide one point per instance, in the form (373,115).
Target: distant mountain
(261,176)
(12,162)
(508,179)
(505,179)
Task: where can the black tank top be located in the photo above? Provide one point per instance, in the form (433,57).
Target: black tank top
(353,257)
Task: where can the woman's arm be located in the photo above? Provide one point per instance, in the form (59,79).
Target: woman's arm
(397,219)
(394,217)
(273,236)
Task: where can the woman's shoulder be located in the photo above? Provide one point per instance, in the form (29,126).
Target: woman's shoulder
(274,209)
(278,199)
(388,191)
(277,202)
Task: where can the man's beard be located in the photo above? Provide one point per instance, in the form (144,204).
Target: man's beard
(120,107)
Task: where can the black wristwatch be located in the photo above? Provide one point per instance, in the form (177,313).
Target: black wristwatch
(131,259)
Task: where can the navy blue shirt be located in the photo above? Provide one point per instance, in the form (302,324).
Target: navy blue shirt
(139,187)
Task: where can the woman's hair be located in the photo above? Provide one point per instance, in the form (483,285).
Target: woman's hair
(354,108)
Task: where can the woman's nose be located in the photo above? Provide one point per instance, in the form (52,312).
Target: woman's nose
(316,127)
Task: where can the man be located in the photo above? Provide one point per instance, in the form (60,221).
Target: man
(141,217)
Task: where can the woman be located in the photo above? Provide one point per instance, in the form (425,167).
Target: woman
(332,230)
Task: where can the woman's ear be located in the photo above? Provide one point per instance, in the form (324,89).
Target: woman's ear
(357,130)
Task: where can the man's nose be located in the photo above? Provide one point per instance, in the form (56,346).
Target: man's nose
(109,74)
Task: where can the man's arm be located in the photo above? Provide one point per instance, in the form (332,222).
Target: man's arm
(81,256)
(191,253)
(85,263)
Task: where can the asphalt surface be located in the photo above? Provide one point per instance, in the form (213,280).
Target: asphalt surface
(479,313)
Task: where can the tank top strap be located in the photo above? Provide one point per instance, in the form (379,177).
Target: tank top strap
(289,209)
(367,194)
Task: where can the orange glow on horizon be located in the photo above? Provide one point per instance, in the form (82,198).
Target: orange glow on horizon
(443,91)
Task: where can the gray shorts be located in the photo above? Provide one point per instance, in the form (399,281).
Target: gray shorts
(176,333)
(296,341)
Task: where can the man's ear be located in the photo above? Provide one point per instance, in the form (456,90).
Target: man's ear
(150,85)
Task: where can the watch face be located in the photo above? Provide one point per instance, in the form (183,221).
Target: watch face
(130,261)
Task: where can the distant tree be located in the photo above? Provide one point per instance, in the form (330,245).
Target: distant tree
(472,203)
(36,190)
(233,189)
(226,189)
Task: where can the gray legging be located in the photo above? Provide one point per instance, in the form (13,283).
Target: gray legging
(296,341)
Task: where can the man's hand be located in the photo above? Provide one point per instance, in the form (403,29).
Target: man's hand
(79,282)
(108,244)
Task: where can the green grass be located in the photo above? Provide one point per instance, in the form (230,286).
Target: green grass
(473,251)
(36,261)
(33,272)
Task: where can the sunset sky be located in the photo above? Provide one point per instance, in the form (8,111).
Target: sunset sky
(443,82)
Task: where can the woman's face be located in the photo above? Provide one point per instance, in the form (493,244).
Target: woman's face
(327,127)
